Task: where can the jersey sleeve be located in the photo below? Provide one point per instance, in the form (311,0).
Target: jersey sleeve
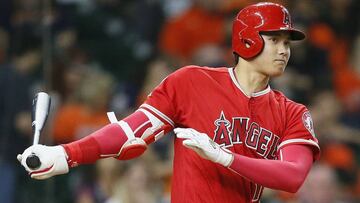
(299,129)
(163,102)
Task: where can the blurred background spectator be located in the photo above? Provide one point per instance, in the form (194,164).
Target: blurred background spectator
(107,55)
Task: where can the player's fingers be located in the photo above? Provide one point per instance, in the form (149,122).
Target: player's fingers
(184,136)
(187,133)
(19,157)
(40,177)
(181,130)
(196,134)
(191,143)
(193,131)
(43,173)
(181,133)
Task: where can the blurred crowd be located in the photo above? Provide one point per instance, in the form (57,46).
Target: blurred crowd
(94,56)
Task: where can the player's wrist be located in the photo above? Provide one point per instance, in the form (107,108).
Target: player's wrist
(72,154)
(225,157)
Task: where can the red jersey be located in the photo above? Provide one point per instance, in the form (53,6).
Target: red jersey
(211,101)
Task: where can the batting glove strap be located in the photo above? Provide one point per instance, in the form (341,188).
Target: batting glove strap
(204,146)
(225,157)
(53,161)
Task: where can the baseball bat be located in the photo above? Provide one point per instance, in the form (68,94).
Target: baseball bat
(40,111)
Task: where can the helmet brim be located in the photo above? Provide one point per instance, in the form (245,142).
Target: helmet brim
(295,34)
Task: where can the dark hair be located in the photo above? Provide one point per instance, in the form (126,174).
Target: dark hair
(236,58)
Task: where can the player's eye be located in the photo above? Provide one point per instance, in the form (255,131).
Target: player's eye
(273,39)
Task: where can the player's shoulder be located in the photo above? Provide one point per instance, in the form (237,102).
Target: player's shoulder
(198,73)
(196,70)
(287,103)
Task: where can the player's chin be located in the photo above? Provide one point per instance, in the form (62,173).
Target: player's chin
(277,71)
(277,74)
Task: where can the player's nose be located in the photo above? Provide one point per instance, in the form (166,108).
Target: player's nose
(283,50)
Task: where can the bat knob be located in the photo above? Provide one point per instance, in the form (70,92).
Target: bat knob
(33,162)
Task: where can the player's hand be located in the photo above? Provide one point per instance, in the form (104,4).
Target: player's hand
(204,146)
(53,161)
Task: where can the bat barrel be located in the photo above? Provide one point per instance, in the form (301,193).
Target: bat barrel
(41,107)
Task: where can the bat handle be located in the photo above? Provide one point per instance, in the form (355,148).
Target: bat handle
(36,137)
(33,162)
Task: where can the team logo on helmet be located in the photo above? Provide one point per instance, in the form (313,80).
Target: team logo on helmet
(286,20)
(308,123)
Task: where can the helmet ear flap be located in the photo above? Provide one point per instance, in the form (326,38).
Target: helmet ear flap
(250,43)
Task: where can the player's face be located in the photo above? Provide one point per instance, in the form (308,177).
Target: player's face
(275,55)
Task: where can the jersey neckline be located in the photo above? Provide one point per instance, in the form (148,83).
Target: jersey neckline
(255,94)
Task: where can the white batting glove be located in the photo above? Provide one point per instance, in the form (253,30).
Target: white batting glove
(204,146)
(53,161)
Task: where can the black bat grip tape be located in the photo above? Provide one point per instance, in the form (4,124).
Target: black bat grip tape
(33,162)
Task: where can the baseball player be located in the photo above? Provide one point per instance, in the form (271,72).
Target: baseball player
(234,134)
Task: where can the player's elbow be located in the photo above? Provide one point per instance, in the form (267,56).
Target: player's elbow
(296,176)
(294,185)
(293,188)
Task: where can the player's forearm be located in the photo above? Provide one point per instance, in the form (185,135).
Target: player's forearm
(287,174)
(125,139)
(107,140)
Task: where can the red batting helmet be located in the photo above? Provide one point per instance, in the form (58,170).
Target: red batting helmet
(257,18)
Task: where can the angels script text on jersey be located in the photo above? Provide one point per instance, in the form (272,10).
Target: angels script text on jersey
(263,141)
